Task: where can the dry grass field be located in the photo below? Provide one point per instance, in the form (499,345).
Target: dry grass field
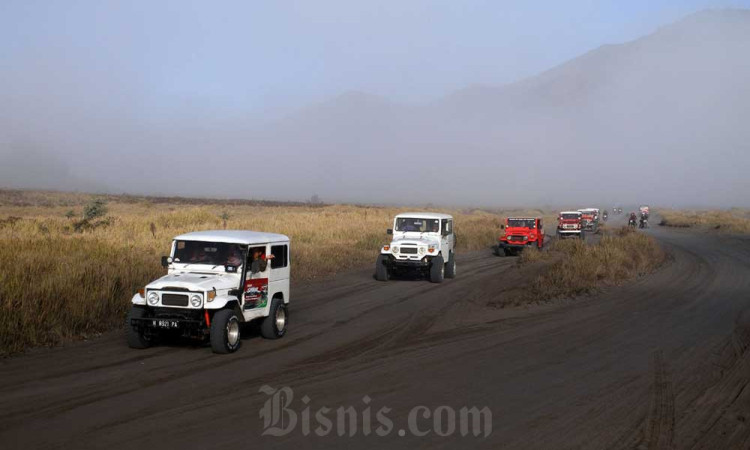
(60,279)
(619,255)
(735,220)
(63,277)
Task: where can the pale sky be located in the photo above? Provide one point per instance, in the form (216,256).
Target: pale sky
(83,82)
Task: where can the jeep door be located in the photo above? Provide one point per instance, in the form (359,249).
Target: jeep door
(280,270)
(447,239)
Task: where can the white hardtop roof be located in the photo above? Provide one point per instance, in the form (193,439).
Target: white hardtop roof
(425,215)
(589,209)
(233,237)
(570,212)
(522,218)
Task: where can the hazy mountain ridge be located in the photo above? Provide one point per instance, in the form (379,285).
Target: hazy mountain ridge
(656,118)
(680,89)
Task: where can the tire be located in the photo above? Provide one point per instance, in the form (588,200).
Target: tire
(437,270)
(497,251)
(225,332)
(381,269)
(450,268)
(507,252)
(583,236)
(136,338)
(274,326)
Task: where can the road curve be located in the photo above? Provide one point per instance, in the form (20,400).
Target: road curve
(659,363)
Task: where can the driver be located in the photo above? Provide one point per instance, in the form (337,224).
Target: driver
(199,255)
(234,257)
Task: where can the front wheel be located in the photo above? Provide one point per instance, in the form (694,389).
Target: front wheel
(381,268)
(450,268)
(134,335)
(225,332)
(274,326)
(437,270)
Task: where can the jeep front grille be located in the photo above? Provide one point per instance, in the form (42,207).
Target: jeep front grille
(409,250)
(516,238)
(174,299)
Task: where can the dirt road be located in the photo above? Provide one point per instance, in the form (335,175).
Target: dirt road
(660,363)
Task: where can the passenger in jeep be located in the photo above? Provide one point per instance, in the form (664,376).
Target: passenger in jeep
(258,261)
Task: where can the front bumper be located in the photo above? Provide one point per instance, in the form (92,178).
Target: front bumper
(515,245)
(410,262)
(187,322)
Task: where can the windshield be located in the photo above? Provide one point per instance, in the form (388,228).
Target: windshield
(211,253)
(419,225)
(570,216)
(522,223)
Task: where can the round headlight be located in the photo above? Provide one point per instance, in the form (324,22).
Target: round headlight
(395,249)
(153,298)
(421,250)
(196,300)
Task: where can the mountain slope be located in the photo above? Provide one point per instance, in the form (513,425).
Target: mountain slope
(652,117)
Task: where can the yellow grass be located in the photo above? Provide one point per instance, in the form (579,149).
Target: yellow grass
(56,284)
(730,221)
(581,268)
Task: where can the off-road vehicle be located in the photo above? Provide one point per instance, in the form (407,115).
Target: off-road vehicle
(422,242)
(590,219)
(520,233)
(570,224)
(215,281)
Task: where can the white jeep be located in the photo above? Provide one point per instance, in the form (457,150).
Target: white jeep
(421,241)
(215,281)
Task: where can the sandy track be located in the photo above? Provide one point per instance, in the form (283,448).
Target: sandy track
(659,363)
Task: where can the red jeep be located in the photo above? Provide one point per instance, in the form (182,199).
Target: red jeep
(570,224)
(520,232)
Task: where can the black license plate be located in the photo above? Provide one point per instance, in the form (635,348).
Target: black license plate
(161,323)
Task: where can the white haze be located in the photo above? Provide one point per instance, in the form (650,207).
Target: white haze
(664,119)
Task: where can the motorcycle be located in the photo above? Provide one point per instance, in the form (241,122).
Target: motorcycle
(644,223)
(632,222)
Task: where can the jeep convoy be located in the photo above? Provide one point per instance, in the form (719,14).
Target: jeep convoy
(215,282)
(423,243)
(520,233)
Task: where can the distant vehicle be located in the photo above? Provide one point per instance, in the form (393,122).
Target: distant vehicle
(570,224)
(520,233)
(423,242)
(632,220)
(590,219)
(616,211)
(210,289)
(605,216)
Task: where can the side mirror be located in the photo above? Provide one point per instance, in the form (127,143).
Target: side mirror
(165,261)
(389,231)
(502,227)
